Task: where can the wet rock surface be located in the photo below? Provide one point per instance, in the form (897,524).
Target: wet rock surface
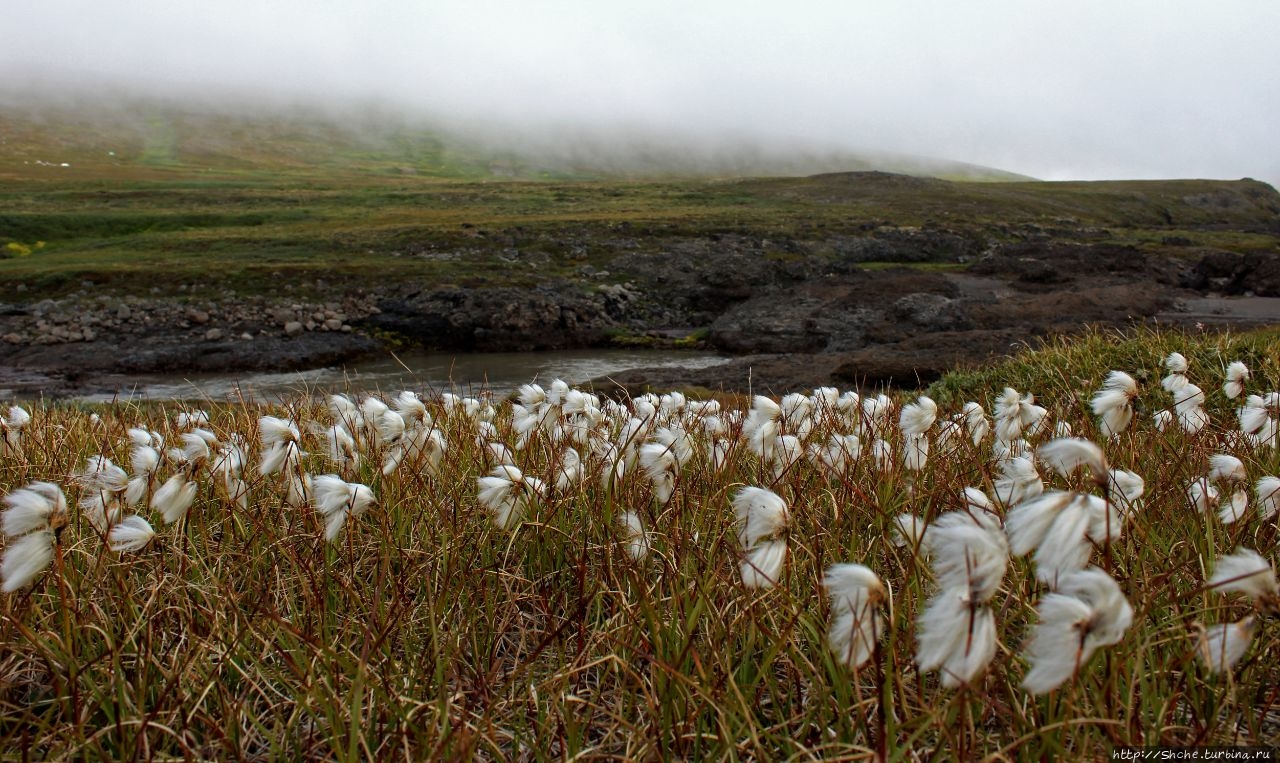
(894,306)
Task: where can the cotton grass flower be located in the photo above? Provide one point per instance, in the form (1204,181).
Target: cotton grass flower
(281,441)
(856,594)
(1066,455)
(1229,472)
(1018,481)
(1113,403)
(969,556)
(11,427)
(35,518)
(1017,416)
(634,535)
(130,535)
(506,492)
(1061,528)
(174,498)
(38,506)
(968,551)
(1237,377)
(955,636)
(25,558)
(916,418)
(1087,612)
(1221,646)
(1267,492)
(338,500)
(1247,572)
(104,485)
(762,518)
(1176,365)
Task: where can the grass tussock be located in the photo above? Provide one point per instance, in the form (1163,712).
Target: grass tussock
(426,632)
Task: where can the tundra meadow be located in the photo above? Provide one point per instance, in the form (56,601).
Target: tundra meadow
(1047,557)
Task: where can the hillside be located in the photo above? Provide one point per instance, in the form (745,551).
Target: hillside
(242,245)
(101,137)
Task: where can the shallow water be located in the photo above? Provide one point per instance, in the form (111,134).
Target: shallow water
(499,372)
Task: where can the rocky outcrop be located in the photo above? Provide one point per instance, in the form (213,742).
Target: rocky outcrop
(881,305)
(548,317)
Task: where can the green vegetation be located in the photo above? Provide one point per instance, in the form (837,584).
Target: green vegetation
(426,632)
(251,205)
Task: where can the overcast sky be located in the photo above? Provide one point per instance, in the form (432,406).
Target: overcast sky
(1065,89)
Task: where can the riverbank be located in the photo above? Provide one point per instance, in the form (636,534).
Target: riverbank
(856,278)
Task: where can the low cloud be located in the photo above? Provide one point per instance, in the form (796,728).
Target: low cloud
(1072,90)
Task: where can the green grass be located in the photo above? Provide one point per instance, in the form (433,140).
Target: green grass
(426,632)
(157,195)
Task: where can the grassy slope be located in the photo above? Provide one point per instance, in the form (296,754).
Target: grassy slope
(426,632)
(244,204)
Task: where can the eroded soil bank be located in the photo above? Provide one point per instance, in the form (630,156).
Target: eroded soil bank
(883,304)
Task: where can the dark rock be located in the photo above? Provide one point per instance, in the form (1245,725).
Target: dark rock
(502,319)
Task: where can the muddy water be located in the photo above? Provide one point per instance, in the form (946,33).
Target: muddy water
(499,372)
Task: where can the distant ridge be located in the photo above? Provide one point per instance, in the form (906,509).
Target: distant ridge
(97,134)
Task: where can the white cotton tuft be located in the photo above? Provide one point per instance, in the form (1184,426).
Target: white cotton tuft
(969,553)
(1018,482)
(915,452)
(38,506)
(1247,572)
(338,500)
(1234,508)
(1066,455)
(1124,490)
(130,535)
(25,558)
(506,492)
(956,637)
(762,517)
(1267,491)
(1028,523)
(1202,496)
(1220,647)
(174,498)
(1226,468)
(762,565)
(1113,404)
(634,535)
(1237,376)
(856,594)
(908,531)
(1162,419)
(761,513)
(916,418)
(1088,612)
(976,421)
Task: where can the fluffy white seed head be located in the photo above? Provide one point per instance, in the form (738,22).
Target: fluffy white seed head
(38,506)
(1226,468)
(955,637)
(130,535)
(1267,491)
(634,535)
(1088,611)
(1066,455)
(760,513)
(1221,646)
(762,565)
(24,559)
(1237,377)
(1247,572)
(916,418)
(1113,404)
(174,498)
(856,595)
